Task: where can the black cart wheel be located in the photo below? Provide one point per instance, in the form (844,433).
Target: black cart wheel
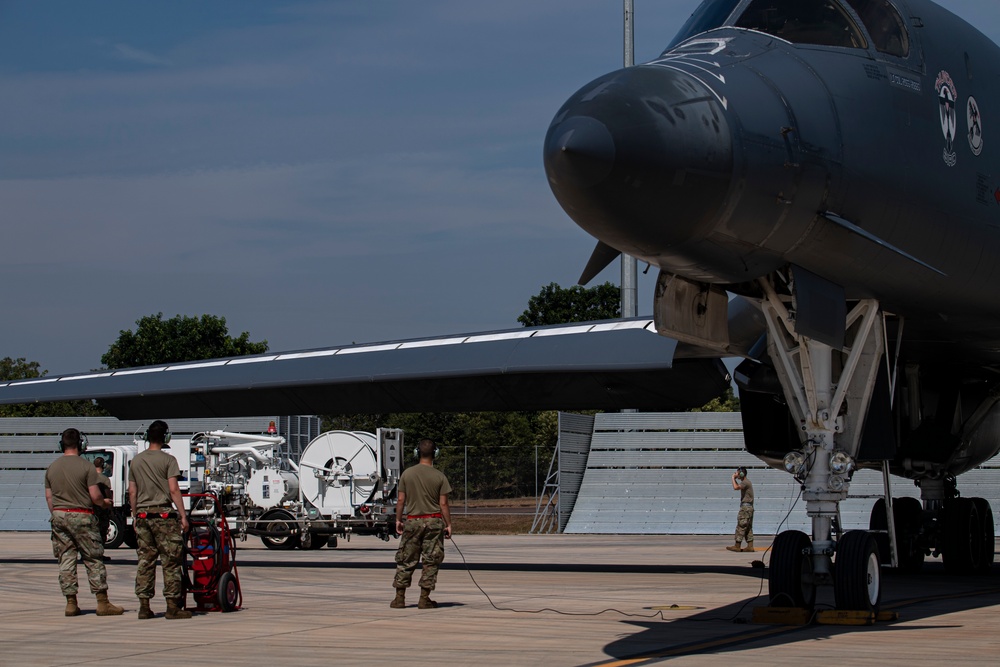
(229,592)
(857,584)
(790,575)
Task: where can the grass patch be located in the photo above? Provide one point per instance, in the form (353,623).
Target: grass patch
(504,516)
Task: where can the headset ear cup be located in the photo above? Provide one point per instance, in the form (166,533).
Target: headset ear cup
(166,438)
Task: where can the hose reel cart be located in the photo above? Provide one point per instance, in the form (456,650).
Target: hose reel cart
(210,573)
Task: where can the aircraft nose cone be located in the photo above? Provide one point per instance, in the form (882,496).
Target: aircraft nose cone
(582,151)
(642,159)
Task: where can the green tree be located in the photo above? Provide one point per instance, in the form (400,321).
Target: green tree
(559,305)
(728,402)
(22,369)
(181,338)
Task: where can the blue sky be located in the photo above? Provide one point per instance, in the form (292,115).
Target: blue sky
(319,173)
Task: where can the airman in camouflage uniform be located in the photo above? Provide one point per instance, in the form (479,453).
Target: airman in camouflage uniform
(159,528)
(103,515)
(71,492)
(423,492)
(744,520)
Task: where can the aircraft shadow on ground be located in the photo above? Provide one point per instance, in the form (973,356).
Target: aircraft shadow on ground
(923,597)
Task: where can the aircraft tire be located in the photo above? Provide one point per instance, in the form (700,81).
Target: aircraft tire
(909,515)
(962,550)
(277,521)
(857,584)
(790,575)
(988,531)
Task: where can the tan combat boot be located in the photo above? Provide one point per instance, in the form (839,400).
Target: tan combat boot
(105,608)
(749,546)
(425,601)
(144,610)
(174,609)
(72,609)
(399,602)
(736,548)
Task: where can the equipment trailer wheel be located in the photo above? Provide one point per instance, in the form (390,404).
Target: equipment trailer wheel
(316,542)
(857,584)
(790,575)
(278,521)
(229,592)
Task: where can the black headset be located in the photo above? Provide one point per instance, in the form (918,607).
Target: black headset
(166,431)
(63,445)
(741,472)
(416,452)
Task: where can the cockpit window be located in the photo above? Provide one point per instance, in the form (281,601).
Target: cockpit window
(885,25)
(710,14)
(820,22)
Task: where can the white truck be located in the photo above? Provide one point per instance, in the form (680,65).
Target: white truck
(343,484)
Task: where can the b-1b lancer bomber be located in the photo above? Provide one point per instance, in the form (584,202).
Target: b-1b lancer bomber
(818,183)
(828,162)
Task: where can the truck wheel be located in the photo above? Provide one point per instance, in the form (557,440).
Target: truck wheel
(279,521)
(116,531)
(129,537)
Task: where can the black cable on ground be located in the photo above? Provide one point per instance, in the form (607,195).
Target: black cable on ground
(657,614)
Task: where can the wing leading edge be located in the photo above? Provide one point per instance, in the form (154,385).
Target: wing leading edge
(602,365)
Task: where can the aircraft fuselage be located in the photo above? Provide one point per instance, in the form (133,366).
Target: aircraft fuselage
(738,152)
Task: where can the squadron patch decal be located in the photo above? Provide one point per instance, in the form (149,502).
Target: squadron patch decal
(975,122)
(947,95)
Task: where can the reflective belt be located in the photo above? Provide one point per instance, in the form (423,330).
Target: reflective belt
(157,515)
(73,509)
(425,516)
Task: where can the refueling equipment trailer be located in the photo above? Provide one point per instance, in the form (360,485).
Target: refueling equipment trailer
(343,484)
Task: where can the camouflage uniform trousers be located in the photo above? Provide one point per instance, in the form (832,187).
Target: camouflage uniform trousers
(72,533)
(163,538)
(103,522)
(744,524)
(422,538)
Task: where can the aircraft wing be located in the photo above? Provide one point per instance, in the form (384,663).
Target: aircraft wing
(604,365)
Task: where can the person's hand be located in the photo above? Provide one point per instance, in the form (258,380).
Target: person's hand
(107,503)
(447,532)
(184,522)
(399,527)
